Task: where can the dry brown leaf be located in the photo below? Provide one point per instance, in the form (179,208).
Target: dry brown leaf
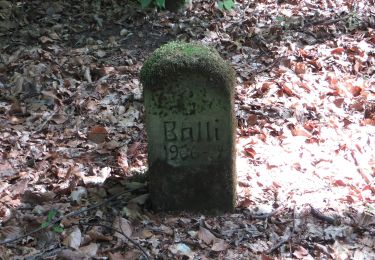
(34,197)
(97,134)
(219,245)
(9,233)
(102,89)
(300,68)
(118,256)
(100,177)
(133,148)
(252,119)
(45,39)
(301,252)
(59,119)
(288,91)
(122,161)
(146,233)
(16,109)
(205,235)
(131,254)
(96,235)
(166,230)
(69,254)
(300,131)
(122,225)
(338,50)
(132,211)
(74,239)
(140,200)
(6,169)
(90,250)
(249,151)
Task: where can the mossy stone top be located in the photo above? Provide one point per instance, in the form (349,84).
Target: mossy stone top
(189,58)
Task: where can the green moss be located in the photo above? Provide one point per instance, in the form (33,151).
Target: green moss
(181,57)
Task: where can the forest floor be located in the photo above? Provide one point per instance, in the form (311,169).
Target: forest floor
(74,149)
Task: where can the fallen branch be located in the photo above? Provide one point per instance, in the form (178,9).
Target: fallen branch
(325,21)
(319,215)
(279,244)
(286,239)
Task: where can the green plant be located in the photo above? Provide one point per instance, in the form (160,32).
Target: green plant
(226,4)
(56,227)
(282,22)
(146,3)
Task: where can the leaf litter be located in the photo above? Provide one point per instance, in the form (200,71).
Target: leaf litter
(72,137)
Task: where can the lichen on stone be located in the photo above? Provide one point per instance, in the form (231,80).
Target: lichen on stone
(181,57)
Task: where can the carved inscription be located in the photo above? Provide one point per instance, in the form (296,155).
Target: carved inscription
(189,141)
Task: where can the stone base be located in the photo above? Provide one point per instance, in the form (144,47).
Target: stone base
(206,190)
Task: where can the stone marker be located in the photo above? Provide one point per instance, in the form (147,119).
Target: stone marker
(188,93)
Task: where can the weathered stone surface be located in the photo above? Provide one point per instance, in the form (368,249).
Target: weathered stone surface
(188,92)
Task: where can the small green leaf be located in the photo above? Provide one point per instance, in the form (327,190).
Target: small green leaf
(58,229)
(51,214)
(220,5)
(145,3)
(45,224)
(228,4)
(160,3)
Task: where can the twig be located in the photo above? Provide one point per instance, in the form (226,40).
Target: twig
(216,234)
(325,21)
(363,174)
(268,215)
(319,215)
(284,240)
(71,214)
(279,244)
(42,125)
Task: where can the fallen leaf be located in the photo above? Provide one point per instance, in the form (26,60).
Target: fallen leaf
(181,249)
(140,200)
(70,254)
(73,240)
(90,250)
(249,151)
(122,225)
(97,134)
(133,149)
(205,235)
(34,197)
(219,245)
(9,232)
(119,256)
(78,193)
(338,50)
(301,252)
